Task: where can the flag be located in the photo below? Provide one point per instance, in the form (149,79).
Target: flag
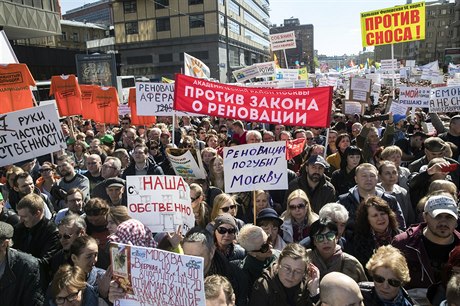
(303,73)
(294,147)
(195,68)
(166,80)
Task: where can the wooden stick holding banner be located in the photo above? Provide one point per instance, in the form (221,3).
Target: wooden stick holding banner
(254,200)
(285,59)
(393,70)
(326,143)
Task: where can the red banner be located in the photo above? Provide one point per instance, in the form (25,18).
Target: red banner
(296,107)
(294,147)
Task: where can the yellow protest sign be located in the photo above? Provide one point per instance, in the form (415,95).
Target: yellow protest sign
(393,25)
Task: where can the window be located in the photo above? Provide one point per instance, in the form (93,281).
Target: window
(196,21)
(234,7)
(202,55)
(64,35)
(163,24)
(129,7)
(165,58)
(192,2)
(75,37)
(131,28)
(138,60)
(160,4)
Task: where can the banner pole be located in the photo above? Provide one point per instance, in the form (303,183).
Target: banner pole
(254,200)
(326,143)
(174,126)
(393,68)
(285,59)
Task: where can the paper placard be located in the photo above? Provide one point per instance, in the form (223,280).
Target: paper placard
(161,202)
(352,107)
(29,133)
(156,277)
(414,96)
(445,99)
(186,163)
(255,166)
(281,41)
(154,99)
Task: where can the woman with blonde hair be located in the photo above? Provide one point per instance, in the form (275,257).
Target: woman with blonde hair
(216,172)
(388,268)
(298,217)
(224,203)
(199,206)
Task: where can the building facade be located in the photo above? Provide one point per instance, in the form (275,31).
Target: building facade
(21,19)
(99,12)
(303,54)
(152,36)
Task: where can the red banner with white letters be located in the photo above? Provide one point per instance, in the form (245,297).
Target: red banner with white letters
(295,107)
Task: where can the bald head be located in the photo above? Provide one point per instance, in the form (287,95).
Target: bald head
(338,289)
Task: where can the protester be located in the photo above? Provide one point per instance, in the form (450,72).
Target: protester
(343,179)
(21,279)
(390,272)
(218,291)
(270,222)
(292,280)
(225,231)
(200,208)
(298,217)
(338,289)
(328,256)
(73,202)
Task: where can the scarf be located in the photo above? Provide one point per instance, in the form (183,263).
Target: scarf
(382,238)
(399,300)
(300,230)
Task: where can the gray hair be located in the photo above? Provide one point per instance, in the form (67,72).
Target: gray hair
(255,133)
(200,235)
(116,162)
(75,220)
(334,211)
(248,234)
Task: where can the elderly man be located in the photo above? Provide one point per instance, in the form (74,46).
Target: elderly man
(253,136)
(94,166)
(313,181)
(338,289)
(20,280)
(426,246)
(111,168)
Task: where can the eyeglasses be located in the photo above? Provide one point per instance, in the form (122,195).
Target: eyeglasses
(309,138)
(298,206)
(392,282)
(91,163)
(289,270)
(327,236)
(264,248)
(195,198)
(70,298)
(153,148)
(110,167)
(224,230)
(45,170)
(226,209)
(65,236)
(95,211)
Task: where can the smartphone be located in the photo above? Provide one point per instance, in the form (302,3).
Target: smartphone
(449,168)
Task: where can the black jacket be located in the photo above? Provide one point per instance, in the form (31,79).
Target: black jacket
(21,283)
(371,298)
(42,243)
(152,169)
(9,216)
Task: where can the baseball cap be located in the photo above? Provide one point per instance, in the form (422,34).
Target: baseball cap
(107,138)
(6,230)
(317,160)
(441,204)
(115,182)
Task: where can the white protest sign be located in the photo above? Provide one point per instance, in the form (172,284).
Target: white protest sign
(29,133)
(398,108)
(410,63)
(161,202)
(7,55)
(186,166)
(287,74)
(154,99)
(360,84)
(352,108)
(445,99)
(266,69)
(255,166)
(414,96)
(282,41)
(375,77)
(155,277)
(388,64)
(246,73)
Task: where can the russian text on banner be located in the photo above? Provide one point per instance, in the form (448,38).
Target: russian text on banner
(393,25)
(414,96)
(255,166)
(161,202)
(154,99)
(186,163)
(445,99)
(29,133)
(156,277)
(15,93)
(303,107)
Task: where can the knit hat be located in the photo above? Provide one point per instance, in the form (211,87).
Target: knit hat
(225,219)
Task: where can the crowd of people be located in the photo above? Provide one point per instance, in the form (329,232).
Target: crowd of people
(370,216)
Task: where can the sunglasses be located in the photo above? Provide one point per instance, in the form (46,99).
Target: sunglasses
(224,230)
(226,209)
(327,236)
(392,282)
(45,170)
(95,212)
(264,248)
(195,198)
(298,206)
(65,236)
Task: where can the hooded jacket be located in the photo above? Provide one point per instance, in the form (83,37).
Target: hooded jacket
(410,243)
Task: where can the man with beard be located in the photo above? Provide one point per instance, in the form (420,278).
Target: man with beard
(426,246)
(313,181)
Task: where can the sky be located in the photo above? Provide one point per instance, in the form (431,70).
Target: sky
(336,23)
